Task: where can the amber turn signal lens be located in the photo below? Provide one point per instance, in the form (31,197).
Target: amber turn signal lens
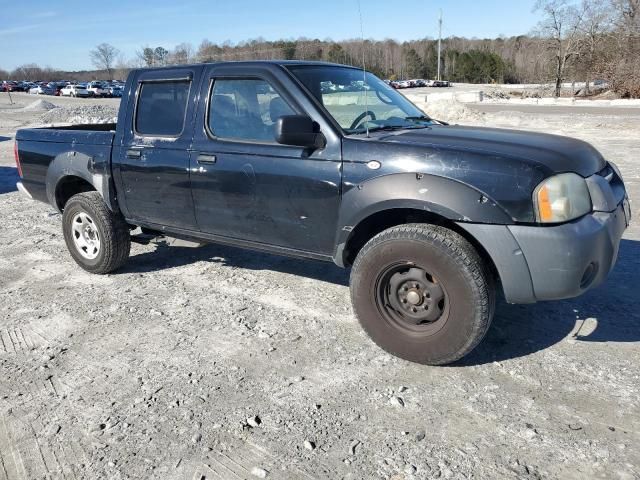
(544,205)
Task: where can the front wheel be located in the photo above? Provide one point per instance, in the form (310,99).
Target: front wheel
(422,293)
(97,238)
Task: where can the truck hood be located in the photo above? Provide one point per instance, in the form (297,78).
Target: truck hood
(550,153)
(505,165)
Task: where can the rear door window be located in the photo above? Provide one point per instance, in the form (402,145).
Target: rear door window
(161,108)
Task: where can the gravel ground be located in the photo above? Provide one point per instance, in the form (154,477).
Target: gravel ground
(217,363)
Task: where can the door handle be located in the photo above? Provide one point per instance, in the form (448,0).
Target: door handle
(134,153)
(207,159)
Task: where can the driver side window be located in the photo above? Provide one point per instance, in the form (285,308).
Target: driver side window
(245,109)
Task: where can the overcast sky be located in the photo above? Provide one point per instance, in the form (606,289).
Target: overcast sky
(60,34)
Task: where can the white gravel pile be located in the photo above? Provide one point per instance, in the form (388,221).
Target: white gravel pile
(496,94)
(39,105)
(452,111)
(81,114)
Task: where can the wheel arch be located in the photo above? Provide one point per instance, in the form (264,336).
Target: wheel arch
(390,200)
(381,220)
(74,172)
(67,187)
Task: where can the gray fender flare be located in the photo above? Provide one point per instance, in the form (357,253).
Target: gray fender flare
(94,170)
(445,197)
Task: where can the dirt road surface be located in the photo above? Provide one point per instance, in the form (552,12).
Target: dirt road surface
(217,363)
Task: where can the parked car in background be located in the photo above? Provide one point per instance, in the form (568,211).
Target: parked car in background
(74,91)
(115,91)
(57,87)
(42,90)
(8,86)
(97,89)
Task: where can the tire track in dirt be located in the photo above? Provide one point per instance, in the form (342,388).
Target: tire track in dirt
(240,459)
(15,341)
(27,451)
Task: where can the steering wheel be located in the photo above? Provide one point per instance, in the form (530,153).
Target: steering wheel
(361,117)
(379,95)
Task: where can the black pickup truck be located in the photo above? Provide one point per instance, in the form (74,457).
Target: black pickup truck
(327,162)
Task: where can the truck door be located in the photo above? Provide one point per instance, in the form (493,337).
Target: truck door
(245,185)
(151,165)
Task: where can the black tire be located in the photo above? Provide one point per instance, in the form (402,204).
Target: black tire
(108,227)
(452,273)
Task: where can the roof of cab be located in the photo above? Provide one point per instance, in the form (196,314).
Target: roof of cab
(282,63)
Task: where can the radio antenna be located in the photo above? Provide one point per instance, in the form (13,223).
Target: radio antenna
(364,70)
(439,41)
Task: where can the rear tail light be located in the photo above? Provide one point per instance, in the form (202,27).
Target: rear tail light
(17,156)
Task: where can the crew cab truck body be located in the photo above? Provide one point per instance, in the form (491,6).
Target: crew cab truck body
(432,218)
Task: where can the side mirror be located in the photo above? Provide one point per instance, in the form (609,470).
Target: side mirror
(299,130)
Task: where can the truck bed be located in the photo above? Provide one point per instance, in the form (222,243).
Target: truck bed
(91,134)
(39,147)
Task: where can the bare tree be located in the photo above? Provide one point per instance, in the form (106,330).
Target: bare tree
(623,68)
(104,57)
(146,55)
(560,29)
(181,54)
(160,54)
(596,25)
(29,72)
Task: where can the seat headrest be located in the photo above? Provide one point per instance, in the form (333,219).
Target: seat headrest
(278,108)
(223,105)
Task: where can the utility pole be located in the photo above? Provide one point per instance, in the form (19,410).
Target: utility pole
(439,41)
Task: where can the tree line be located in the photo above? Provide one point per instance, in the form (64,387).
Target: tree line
(575,40)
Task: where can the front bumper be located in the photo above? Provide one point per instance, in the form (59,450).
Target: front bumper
(567,260)
(554,262)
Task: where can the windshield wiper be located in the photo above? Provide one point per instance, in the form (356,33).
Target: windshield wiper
(396,127)
(423,118)
(426,119)
(388,128)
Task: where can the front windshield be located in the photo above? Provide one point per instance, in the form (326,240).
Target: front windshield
(359,102)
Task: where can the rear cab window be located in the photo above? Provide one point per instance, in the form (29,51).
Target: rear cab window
(161,108)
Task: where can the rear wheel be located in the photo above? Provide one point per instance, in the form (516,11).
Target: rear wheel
(422,293)
(97,238)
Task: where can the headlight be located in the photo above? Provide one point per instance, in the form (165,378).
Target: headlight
(561,198)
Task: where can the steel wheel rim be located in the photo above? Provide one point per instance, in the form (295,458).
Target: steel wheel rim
(411,299)
(86,236)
